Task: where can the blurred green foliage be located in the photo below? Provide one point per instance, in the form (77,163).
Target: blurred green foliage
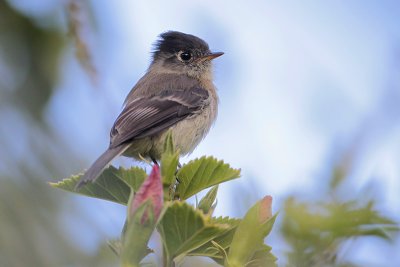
(317,230)
(30,234)
(32,55)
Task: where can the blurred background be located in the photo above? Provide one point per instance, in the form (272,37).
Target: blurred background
(309,110)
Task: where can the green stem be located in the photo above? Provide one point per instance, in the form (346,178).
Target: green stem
(167,262)
(167,192)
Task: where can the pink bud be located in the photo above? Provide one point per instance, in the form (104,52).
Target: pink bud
(152,190)
(265,211)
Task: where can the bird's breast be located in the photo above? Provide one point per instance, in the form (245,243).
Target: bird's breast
(188,133)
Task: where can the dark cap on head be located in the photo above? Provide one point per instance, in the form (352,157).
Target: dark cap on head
(172,42)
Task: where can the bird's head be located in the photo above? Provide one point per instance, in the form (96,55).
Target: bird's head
(182,53)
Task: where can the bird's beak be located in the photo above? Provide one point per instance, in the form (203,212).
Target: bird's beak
(211,56)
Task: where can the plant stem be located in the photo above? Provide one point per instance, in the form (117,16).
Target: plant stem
(167,262)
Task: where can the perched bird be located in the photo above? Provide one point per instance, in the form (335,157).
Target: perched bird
(177,93)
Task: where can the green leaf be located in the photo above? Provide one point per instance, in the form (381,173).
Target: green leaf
(224,241)
(206,203)
(116,246)
(183,229)
(219,246)
(250,233)
(263,258)
(221,251)
(169,161)
(232,222)
(133,177)
(113,184)
(169,143)
(202,173)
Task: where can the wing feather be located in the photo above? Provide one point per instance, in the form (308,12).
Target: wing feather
(147,116)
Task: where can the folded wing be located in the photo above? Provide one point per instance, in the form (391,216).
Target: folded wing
(151,115)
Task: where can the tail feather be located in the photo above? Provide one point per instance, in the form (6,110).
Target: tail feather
(100,164)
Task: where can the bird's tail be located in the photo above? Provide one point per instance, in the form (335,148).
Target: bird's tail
(100,164)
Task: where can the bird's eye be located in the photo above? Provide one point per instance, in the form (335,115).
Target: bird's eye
(185,56)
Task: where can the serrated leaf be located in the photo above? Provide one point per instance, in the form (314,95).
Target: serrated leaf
(232,222)
(183,229)
(202,173)
(206,203)
(113,184)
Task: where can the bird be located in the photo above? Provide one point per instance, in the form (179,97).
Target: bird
(176,94)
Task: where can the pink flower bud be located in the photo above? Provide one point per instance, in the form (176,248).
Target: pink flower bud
(152,190)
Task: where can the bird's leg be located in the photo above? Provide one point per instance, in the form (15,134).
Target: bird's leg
(176,172)
(144,159)
(177,182)
(154,160)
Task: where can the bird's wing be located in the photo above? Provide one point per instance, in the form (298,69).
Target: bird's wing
(147,116)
